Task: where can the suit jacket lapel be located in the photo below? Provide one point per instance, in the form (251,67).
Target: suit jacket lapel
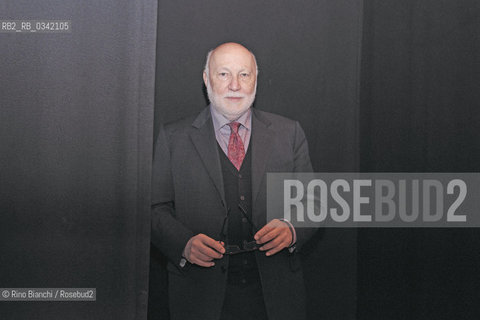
(203,138)
(261,140)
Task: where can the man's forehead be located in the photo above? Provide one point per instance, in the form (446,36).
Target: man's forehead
(232,56)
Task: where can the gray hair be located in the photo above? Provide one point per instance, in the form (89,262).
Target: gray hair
(209,55)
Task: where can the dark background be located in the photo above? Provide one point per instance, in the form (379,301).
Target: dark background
(387,86)
(419,112)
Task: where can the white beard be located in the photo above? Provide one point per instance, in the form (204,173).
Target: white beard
(229,112)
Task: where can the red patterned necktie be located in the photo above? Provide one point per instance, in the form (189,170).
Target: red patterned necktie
(236,151)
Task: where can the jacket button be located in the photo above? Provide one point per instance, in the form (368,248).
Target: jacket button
(183,262)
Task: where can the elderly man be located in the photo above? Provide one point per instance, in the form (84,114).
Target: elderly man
(226,261)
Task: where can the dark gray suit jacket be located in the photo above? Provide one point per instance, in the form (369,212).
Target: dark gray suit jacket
(188,198)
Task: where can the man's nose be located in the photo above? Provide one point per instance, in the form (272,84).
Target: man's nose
(234,84)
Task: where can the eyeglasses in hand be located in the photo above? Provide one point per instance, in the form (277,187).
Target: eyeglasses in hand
(247,246)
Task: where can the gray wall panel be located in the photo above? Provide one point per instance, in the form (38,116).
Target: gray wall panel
(75,152)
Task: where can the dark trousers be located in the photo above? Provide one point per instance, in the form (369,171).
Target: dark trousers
(244,296)
(244,302)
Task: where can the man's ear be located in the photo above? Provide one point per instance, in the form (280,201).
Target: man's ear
(205,79)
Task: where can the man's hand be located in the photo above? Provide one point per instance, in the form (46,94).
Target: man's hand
(279,235)
(201,250)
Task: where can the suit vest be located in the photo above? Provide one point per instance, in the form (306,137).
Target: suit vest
(242,267)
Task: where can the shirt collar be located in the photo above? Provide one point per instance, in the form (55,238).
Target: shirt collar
(219,121)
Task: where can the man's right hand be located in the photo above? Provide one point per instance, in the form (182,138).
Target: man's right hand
(201,250)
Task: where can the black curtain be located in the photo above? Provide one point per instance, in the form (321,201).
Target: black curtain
(76,113)
(420,93)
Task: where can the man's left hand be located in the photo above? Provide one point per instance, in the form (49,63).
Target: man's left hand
(275,236)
